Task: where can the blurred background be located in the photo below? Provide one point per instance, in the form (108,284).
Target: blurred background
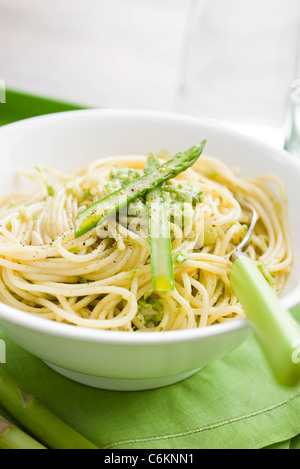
(231,60)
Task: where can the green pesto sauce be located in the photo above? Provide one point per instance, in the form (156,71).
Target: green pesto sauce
(183,193)
(150,312)
(121,177)
(181,257)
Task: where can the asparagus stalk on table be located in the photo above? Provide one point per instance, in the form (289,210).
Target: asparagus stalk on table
(37,419)
(99,212)
(159,234)
(11,437)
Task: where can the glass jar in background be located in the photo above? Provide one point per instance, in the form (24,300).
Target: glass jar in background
(238,60)
(292,127)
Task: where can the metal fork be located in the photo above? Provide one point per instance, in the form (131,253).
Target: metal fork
(277,332)
(238,252)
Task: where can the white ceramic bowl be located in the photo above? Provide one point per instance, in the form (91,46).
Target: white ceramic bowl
(123,360)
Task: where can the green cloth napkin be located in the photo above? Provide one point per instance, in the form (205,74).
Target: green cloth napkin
(20,106)
(231,404)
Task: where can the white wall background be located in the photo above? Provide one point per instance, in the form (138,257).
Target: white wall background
(228,59)
(103,52)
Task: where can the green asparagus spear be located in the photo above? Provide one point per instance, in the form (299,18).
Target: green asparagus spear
(37,419)
(11,437)
(99,212)
(159,235)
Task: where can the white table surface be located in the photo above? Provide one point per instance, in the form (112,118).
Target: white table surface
(231,60)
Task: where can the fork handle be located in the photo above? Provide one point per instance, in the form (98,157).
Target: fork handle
(275,328)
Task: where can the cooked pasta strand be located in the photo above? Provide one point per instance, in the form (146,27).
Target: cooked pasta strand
(101,279)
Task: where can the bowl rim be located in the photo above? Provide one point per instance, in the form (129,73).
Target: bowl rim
(38,324)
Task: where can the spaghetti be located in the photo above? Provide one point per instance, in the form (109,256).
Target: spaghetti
(102,279)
